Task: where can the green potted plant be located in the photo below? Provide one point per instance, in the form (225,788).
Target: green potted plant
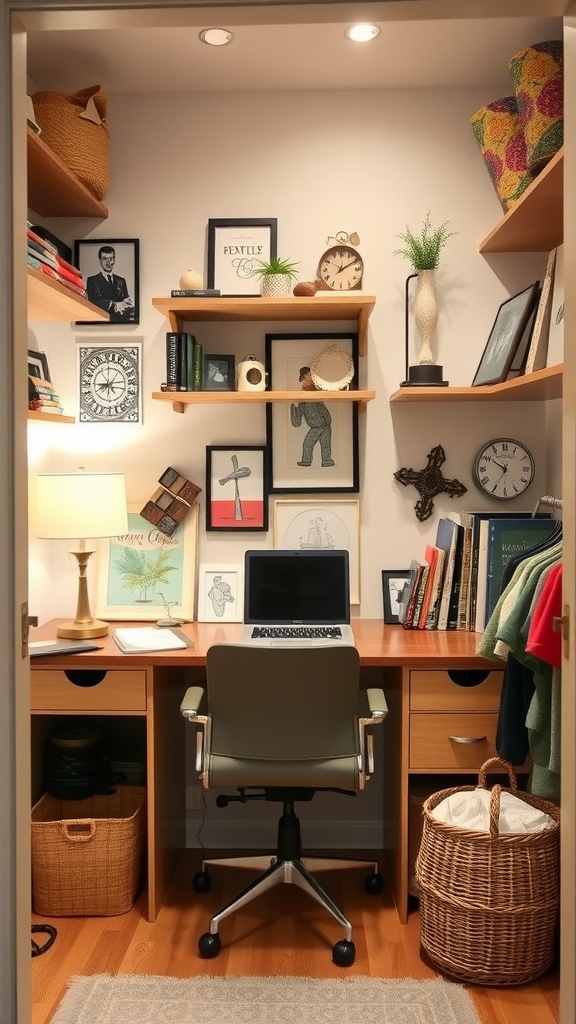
(276,276)
(423,250)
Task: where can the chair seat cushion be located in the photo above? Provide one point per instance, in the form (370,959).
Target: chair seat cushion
(341,772)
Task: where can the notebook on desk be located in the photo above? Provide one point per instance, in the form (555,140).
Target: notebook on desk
(300,597)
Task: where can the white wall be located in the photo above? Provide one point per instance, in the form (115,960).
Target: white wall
(369,162)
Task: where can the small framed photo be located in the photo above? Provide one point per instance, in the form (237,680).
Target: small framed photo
(236,487)
(329,524)
(110,382)
(38,365)
(221,593)
(234,249)
(111,274)
(508,331)
(143,571)
(313,445)
(219,373)
(394,582)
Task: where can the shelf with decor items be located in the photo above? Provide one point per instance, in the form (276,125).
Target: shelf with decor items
(50,417)
(322,306)
(53,189)
(540,386)
(180,399)
(535,222)
(50,300)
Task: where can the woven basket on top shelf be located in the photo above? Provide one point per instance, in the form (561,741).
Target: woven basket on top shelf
(489,900)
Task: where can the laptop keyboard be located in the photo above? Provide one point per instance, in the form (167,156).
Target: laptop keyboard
(297,633)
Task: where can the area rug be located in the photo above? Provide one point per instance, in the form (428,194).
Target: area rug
(135,999)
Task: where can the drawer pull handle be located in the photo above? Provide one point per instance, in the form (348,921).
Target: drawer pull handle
(467,739)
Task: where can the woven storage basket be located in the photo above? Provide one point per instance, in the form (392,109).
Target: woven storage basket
(78,140)
(87,854)
(489,901)
(538,75)
(499,132)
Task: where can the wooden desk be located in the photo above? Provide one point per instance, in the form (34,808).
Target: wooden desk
(442,720)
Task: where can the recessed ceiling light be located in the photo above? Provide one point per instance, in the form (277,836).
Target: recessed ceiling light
(362,33)
(216,36)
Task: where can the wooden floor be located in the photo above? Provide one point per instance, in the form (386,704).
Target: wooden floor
(283,932)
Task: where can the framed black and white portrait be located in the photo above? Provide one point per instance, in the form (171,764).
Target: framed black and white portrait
(110,382)
(111,276)
(218,373)
(394,584)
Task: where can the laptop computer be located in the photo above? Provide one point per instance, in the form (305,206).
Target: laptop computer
(298,597)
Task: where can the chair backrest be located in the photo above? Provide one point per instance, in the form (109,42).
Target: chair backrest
(279,703)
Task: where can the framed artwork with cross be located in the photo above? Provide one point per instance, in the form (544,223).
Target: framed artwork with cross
(236,487)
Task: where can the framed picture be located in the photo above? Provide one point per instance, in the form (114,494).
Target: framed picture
(507,332)
(236,487)
(394,581)
(221,593)
(234,248)
(219,373)
(38,365)
(555,353)
(111,275)
(110,382)
(143,571)
(332,523)
(312,445)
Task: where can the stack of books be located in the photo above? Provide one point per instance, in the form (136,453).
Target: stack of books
(42,255)
(42,396)
(459,581)
(183,362)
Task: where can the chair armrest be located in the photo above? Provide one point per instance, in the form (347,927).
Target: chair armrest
(191,701)
(377,703)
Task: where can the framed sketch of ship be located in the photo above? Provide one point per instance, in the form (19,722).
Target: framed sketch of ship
(332,523)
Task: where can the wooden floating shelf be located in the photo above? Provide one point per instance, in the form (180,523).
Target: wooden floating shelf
(53,189)
(542,385)
(535,222)
(50,417)
(179,400)
(50,300)
(323,306)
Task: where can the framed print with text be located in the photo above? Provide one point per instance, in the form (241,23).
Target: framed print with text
(330,524)
(312,445)
(111,276)
(236,487)
(220,593)
(142,571)
(234,248)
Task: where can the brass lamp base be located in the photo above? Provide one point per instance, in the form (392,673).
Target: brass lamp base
(82,630)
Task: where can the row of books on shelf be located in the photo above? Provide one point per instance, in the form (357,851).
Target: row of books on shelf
(43,255)
(42,396)
(459,580)
(183,362)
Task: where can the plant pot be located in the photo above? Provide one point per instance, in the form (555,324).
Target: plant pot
(276,286)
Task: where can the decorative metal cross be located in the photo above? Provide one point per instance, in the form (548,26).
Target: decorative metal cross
(429,482)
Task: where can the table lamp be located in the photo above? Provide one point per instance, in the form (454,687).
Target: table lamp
(82,505)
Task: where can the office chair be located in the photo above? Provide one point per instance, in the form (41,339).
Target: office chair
(283,721)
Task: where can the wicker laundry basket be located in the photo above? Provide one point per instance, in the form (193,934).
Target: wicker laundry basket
(489,900)
(74,126)
(87,854)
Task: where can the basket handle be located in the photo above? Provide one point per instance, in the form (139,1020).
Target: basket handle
(497,764)
(78,830)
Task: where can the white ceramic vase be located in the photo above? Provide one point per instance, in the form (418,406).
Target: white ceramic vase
(425,313)
(276,286)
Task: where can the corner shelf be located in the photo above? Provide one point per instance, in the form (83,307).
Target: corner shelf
(179,400)
(540,386)
(50,417)
(53,189)
(315,307)
(535,222)
(50,300)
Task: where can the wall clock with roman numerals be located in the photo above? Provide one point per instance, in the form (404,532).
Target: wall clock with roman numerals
(503,468)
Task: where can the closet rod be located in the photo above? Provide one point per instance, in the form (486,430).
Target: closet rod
(547,499)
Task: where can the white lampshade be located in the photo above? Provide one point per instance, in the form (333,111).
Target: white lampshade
(80,505)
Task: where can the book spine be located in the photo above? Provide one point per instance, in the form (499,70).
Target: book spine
(182,362)
(409,617)
(198,358)
(194,293)
(171,360)
(420,596)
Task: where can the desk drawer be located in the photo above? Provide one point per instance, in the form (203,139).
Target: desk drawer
(457,690)
(88,690)
(431,746)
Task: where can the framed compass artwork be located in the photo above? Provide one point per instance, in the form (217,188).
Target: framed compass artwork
(110,382)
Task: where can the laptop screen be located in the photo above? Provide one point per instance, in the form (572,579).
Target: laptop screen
(283,587)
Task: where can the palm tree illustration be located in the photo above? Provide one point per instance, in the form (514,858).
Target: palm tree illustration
(141,572)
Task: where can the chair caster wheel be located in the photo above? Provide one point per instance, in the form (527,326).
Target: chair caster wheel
(209,945)
(343,953)
(201,882)
(374,884)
